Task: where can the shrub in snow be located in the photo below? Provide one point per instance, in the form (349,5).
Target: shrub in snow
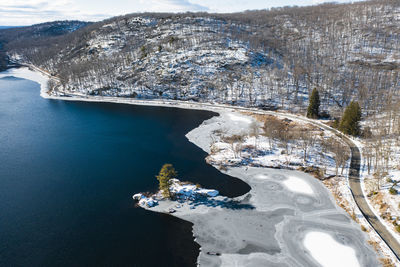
(393,191)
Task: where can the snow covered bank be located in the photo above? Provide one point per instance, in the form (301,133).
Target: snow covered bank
(42,79)
(321,246)
(26,73)
(145,201)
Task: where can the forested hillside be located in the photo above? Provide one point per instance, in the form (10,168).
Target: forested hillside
(39,37)
(272,58)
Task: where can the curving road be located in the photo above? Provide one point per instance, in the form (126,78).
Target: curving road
(360,199)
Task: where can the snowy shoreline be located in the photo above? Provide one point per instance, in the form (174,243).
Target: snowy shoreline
(199,137)
(42,78)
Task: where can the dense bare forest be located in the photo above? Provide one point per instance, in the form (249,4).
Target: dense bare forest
(271,58)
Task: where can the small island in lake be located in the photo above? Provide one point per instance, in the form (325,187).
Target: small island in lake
(185,194)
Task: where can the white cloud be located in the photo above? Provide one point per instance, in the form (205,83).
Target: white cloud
(172,5)
(26,12)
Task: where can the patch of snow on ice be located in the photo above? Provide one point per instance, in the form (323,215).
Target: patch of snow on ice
(208,192)
(261,176)
(238,118)
(328,252)
(298,185)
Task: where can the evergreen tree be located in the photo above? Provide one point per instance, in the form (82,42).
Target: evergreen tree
(351,118)
(166,173)
(313,107)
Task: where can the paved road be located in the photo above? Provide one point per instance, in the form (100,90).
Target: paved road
(360,198)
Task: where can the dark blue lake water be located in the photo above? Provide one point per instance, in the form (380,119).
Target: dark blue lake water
(68,171)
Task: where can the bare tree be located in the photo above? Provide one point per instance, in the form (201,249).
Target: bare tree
(306,139)
(341,153)
(254,131)
(236,143)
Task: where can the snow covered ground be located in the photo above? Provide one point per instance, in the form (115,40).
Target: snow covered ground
(381,180)
(385,205)
(272,151)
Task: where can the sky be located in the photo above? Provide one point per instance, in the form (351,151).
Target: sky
(28,12)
